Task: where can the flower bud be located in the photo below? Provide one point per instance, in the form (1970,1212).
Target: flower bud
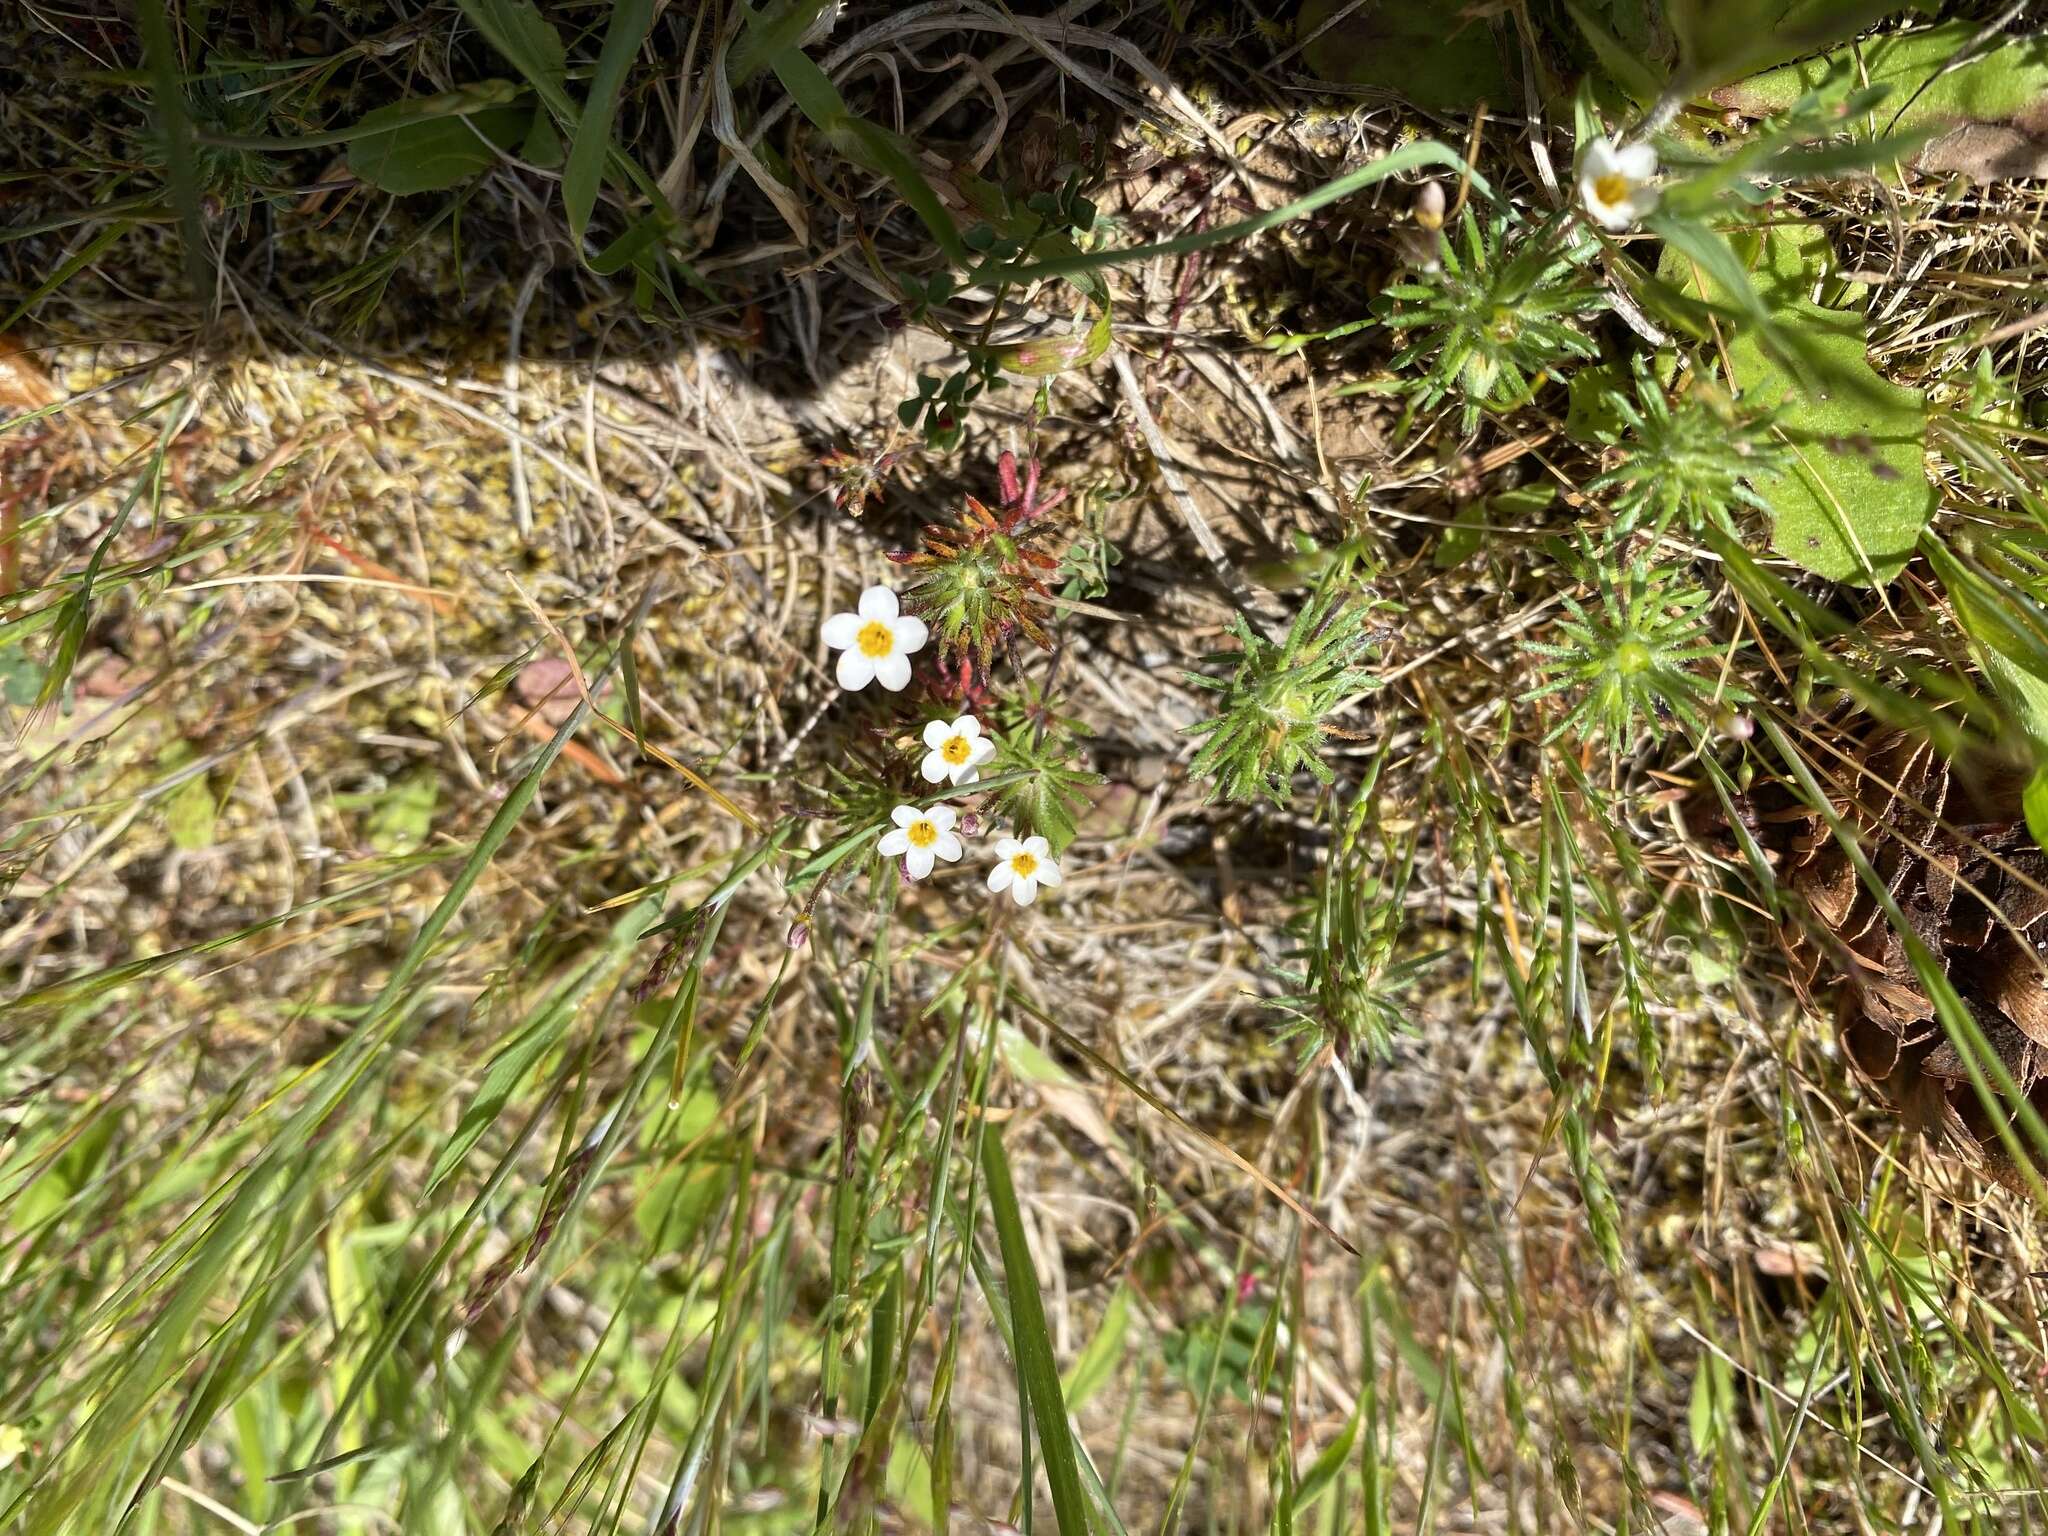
(1428,207)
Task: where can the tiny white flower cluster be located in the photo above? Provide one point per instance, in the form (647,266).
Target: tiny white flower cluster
(875,643)
(923,835)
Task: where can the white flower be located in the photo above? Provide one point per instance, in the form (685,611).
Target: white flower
(1614,182)
(1023,868)
(957,751)
(921,836)
(12,1443)
(876,642)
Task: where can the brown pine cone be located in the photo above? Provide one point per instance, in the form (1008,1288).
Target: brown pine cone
(1950,843)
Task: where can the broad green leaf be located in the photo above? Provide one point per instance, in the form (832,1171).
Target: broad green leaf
(623,36)
(543,143)
(1723,40)
(1852,505)
(2006,82)
(528,39)
(403,814)
(2034,801)
(432,143)
(1590,413)
(1852,502)
(189,815)
(20,678)
(1422,50)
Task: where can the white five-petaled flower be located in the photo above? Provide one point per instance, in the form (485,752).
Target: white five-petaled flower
(875,643)
(955,752)
(921,836)
(1022,868)
(1615,182)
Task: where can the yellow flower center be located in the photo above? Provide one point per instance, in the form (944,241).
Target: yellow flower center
(922,834)
(1024,864)
(876,639)
(955,750)
(1611,188)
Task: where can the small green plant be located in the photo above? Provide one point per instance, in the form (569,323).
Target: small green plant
(1037,788)
(1631,659)
(1688,458)
(1496,319)
(1274,715)
(1346,989)
(989,576)
(940,406)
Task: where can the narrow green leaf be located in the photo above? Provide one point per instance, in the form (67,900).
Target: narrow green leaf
(1098,1362)
(174,129)
(155,1359)
(1046,355)
(77,262)
(1033,1343)
(623,36)
(1628,71)
(868,146)
(1322,1472)
(1407,158)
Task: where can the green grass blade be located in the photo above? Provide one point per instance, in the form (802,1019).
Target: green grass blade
(155,1359)
(1036,1366)
(581,177)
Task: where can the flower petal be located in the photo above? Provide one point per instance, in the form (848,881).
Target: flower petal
(856,669)
(1007,847)
(878,603)
(982,750)
(1049,873)
(947,847)
(911,634)
(1000,877)
(966,726)
(942,816)
(893,842)
(935,734)
(842,631)
(934,768)
(1638,162)
(966,774)
(919,862)
(1024,891)
(893,672)
(1038,847)
(1600,159)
